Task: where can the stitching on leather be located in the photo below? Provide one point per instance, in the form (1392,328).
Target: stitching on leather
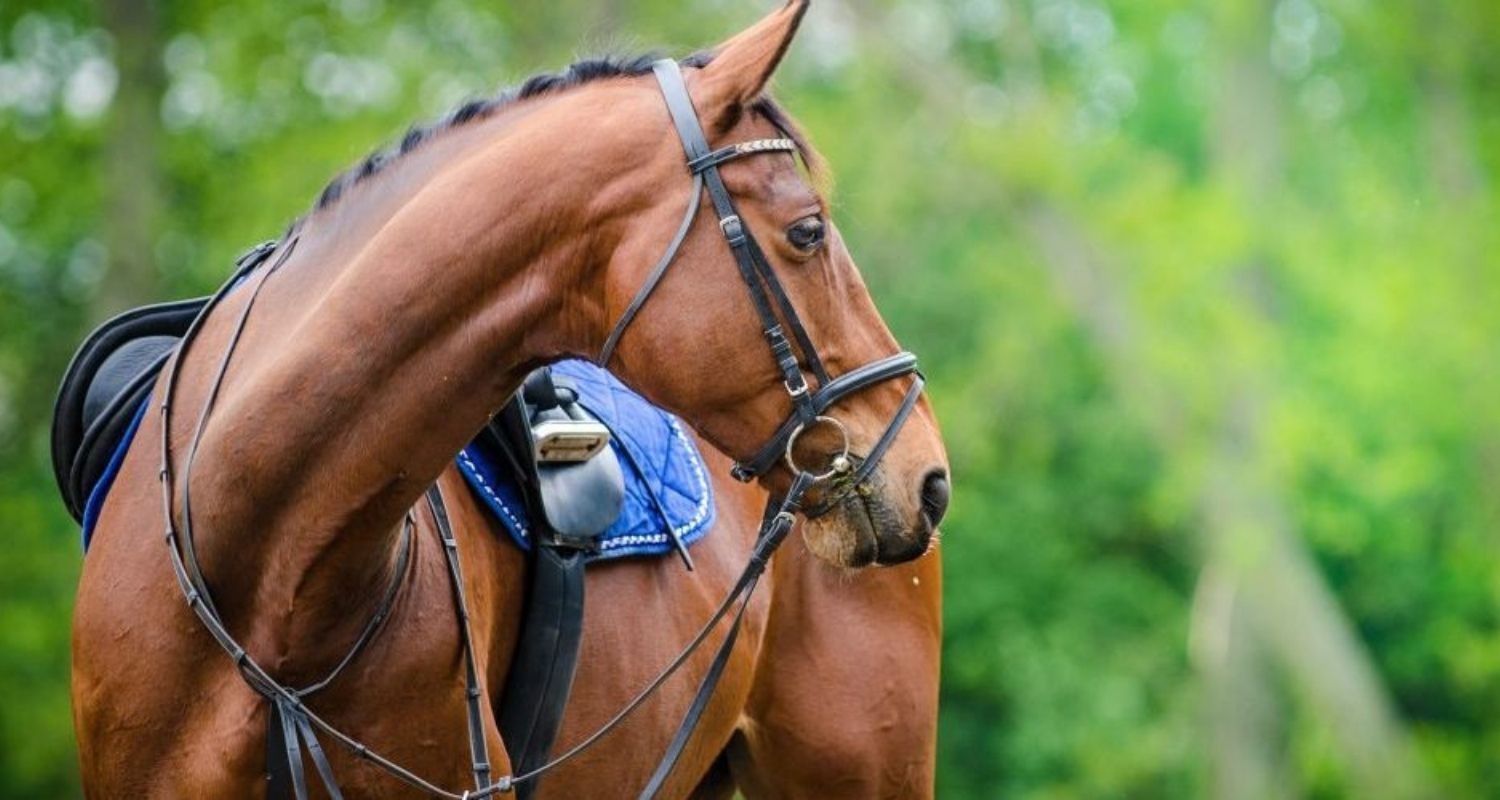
(485,486)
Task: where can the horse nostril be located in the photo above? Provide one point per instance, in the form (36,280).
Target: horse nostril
(935,491)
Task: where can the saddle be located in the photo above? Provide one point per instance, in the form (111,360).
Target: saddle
(571,483)
(103,388)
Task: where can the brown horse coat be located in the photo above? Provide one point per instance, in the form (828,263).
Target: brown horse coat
(409,311)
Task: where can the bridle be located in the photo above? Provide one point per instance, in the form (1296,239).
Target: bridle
(809,405)
(297,724)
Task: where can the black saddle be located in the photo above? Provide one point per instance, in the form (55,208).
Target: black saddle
(110,376)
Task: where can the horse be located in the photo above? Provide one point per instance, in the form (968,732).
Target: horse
(387,325)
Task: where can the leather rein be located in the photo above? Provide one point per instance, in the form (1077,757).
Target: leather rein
(293,725)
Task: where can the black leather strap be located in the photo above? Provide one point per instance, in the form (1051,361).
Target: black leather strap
(695,199)
(319,759)
(775,527)
(284,772)
(851,382)
(473,695)
(699,705)
(746,257)
(546,658)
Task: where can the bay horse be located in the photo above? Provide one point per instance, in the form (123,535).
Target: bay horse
(404,310)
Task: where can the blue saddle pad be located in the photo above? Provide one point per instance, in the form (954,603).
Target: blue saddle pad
(666,483)
(107,479)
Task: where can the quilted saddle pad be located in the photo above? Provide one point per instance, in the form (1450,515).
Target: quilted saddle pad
(666,483)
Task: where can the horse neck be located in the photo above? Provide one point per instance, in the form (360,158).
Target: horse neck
(373,354)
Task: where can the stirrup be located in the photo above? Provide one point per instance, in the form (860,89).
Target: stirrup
(568,440)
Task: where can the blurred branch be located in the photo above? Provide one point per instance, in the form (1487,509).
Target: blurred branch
(132,168)
(1451,155)
(1244,713)
(1253,535)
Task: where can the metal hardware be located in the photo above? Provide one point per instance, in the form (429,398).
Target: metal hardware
(733,228)
(840,464)
(568,440)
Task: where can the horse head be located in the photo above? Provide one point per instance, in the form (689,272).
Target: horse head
(696,346)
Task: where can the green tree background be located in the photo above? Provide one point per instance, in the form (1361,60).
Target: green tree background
(1207,292)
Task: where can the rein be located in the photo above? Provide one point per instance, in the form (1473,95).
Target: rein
(292,722)
(297,725)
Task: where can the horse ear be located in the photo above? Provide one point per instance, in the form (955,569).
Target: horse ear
(742,66)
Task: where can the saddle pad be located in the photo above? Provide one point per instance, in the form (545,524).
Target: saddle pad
(666,483)
(107,479)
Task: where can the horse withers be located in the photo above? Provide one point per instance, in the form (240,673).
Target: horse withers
(317,402)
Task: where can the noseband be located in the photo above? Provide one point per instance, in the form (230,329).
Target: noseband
(294,725)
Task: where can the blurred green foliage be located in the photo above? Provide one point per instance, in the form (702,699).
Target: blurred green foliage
(1206,292)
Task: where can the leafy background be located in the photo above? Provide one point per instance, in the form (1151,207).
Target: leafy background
(1207,293)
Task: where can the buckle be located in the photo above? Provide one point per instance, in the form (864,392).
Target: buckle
(256,253)
(798,390)
(567,440)
(733,228)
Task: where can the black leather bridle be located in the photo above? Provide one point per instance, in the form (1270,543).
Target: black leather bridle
(294,725)
(809,405)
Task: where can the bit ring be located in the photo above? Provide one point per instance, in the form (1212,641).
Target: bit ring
(840,463)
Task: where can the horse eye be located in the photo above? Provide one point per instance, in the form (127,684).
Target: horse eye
(806,234)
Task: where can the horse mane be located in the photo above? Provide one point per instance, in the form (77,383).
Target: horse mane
(579,73)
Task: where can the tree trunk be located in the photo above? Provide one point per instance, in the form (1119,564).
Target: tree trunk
(132,161)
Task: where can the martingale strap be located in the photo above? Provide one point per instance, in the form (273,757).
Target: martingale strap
(478,746)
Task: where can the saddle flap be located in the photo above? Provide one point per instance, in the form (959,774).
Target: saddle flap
(582,499)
